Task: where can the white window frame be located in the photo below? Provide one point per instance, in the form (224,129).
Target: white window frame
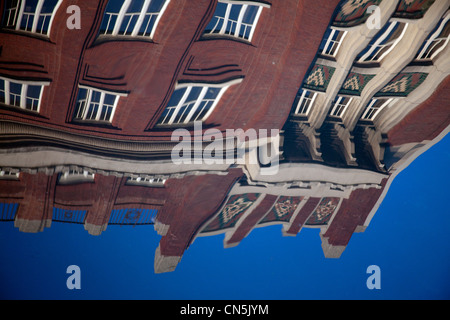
(75,176)
(18,14)
(433,41)
(305,102)
(141,16)
(339,108)
(372,111)
(82,114)
(205,87)
(332,47)
(239,24)
(23,93)
(9,174)
(149,181)
(378,46)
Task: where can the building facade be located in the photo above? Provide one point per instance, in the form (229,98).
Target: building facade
(91,93)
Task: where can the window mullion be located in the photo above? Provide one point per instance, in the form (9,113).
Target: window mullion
(216,101)
(254,23)
(7,93)
(300,102)
(180,104)
(197,103)
(377,43)
(140,20)
(327,44)
(23,96)
(120,17)
(87,104)
(37,13)
(239,21)
(225,19)
(20,15)
(100,106)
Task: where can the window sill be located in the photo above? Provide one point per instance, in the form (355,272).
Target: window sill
(213,36)
(28,34)
(93,123)
(187,126)
(106,38)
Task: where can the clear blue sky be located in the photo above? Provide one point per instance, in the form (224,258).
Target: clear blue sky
(408,239)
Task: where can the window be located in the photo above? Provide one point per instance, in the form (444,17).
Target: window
(96,105)
(193,102)
(235,18)
(30,15)
(24,95)
(375,106)
(340,106)
(384,42)
(304,101)
(437,40)
(74,176)
(332,42)
(146,181)
(9,174)
(132,17)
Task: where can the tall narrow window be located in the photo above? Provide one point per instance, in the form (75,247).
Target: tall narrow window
(235,18)
(340,106)
(96,105)
(375,106)
(30,15)
(132,17)
(304,101)
(24,95)
(384,42)
(193,102)
(332,42)
(437,40)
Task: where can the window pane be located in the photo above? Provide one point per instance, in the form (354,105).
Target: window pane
(2,91)
(156,5)
(216,22)
(135,6)
(15,90)
(250,14)
(109,99)
(49,6)
(95,96)
(193,95)
(30,6)
(34,92)
(110,16)
(176,97)
(212,93)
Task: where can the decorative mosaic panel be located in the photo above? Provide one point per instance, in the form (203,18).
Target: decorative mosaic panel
(319,78)
(70,216)
(282,210)
(403,84)
(353,12)
(323,212)
(236,206)
(132,216)
(413,9)
(355,83)
(8,211)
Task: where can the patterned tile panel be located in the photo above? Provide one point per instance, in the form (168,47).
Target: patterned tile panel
(319,78)
(402,85)
(353,12)
(236,206)
(282,210)
(355,83)
(413,9)
(323,212)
